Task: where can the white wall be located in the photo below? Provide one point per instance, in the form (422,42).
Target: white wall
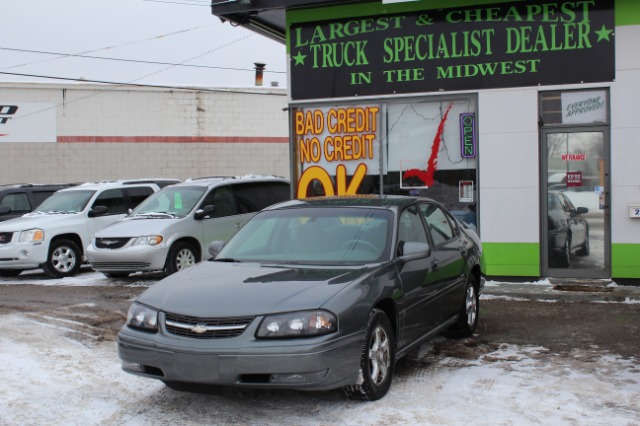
(625,136)
(108,132)
(509,165)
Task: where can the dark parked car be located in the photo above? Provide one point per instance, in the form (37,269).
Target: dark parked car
(568,230)
(310,294)
(21,198)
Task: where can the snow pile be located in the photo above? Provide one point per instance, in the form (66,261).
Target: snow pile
(49,378)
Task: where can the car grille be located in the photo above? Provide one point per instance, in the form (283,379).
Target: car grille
(206,328)
(5,237)
(111,243)
(119,266)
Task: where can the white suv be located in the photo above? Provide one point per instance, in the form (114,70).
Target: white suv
(171,229)
(55,235)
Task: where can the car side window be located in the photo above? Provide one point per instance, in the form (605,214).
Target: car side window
(410,228)
(223,201)
(113,200)
(440,226)
(138,195)
(40,196)
(255,196)
(17,202)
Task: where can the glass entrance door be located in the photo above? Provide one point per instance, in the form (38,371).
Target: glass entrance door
(575,199)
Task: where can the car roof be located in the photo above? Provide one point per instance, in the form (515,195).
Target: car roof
(211,181)
(7,186)
(121,184)
(395,202)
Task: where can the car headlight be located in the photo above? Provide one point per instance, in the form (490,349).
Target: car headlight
(31,235)
(142,317)
(148,240)
(297,324)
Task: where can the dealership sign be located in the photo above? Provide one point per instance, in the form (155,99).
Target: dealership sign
(464,48)
(27,122)
(338,141)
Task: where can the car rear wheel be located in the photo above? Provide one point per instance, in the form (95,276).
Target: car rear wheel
(584,249)
(181,256)
(377,361)
(64,259)
(469,311)
(10,272)
(565,255)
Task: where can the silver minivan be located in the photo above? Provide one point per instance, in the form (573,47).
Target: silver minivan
(171,229)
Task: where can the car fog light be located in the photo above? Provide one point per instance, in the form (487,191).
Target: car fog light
(298,378)
(130,366)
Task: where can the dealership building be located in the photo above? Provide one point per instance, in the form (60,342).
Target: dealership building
(519,112)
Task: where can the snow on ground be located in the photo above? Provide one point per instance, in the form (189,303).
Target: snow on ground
(50,378)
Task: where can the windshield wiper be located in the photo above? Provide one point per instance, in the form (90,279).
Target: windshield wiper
(156,214)
(226,259)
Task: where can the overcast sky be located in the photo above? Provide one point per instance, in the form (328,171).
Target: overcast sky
(173,32)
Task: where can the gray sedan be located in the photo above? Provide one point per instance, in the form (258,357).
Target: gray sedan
(311,294)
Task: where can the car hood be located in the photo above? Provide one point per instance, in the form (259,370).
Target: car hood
(216,289)
(34,220)
(130,227)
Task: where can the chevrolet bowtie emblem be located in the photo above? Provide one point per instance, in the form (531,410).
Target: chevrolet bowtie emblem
(199,328)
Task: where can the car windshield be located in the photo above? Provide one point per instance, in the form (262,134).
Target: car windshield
(173,202)
(66,202)
(319,235)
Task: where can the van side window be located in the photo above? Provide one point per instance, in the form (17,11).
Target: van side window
(255,196)
(222,199)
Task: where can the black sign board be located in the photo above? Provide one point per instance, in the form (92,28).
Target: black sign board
(468,48)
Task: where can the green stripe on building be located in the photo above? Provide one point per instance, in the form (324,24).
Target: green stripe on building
(512,259)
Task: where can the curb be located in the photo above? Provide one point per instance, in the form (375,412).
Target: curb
(565,290)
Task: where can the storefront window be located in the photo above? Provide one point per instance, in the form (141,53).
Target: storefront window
(422,147)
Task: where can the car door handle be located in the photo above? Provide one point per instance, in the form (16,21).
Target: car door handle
(237,226)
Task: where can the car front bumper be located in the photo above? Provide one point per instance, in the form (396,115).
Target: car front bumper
(16,255)
(303,364)
(128,258)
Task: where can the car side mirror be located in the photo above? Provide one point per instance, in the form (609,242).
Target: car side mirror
(415,249)
(582,210)
(5,210)
(204,212)
(215,247)
(98,211)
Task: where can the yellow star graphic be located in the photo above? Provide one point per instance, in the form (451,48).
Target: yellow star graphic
(603,33)
(299,58)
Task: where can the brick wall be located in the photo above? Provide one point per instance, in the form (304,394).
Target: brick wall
(105,132)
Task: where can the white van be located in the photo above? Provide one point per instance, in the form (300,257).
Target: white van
(171,229)
(55,235)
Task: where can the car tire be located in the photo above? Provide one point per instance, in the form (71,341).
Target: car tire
(469,311)
(116,274)
(7,273)
(181,256)
(64,259)
(585,248)
(565,255)
(377,361)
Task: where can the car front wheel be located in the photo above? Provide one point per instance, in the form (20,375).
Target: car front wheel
(64,259)
(377,361)
(181,256)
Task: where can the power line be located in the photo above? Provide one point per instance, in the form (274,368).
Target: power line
(72,55)
(115,83)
